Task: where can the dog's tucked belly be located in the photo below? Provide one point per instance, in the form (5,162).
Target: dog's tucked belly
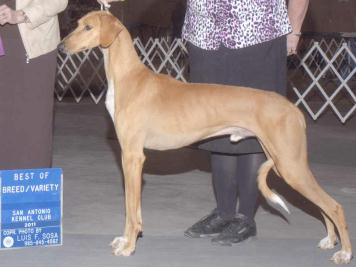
(164,141)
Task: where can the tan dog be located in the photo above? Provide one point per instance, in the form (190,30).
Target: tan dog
(158,112)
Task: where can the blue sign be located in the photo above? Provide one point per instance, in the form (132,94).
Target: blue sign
(31,208)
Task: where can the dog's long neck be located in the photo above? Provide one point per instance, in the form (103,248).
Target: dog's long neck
(122,58)
(121,66)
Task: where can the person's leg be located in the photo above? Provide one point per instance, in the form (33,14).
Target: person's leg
(231,173)
(247,166)
(224,172)
(243,226)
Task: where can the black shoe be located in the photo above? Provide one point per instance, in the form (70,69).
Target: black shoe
(238,230)
(210,225)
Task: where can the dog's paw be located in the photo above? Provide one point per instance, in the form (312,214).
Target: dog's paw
(118,241)
(120,247)
(327,243)
(123,252)
(342,257)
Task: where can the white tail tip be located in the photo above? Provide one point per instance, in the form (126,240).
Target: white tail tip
(277,200)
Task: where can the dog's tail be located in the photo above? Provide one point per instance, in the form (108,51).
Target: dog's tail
(265,190)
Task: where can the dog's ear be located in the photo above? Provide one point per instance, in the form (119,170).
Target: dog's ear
(110,29)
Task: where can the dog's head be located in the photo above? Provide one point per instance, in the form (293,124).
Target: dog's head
(98,28)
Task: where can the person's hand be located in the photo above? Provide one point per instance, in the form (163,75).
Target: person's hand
(292,43)
(106,2)
(8,15)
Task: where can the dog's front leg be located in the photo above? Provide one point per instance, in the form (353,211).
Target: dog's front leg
(132,163)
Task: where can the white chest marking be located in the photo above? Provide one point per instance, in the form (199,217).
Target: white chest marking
(110,99)
(110,94)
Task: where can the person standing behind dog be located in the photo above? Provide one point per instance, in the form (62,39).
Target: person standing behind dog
(245,43)
(30,34)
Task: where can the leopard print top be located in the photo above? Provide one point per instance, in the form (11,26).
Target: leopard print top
(234,23)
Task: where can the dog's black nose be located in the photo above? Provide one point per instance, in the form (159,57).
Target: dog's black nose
(61,47)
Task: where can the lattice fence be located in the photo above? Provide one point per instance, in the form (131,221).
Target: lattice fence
(321,78)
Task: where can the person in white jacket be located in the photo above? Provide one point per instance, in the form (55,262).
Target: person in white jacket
(30,34)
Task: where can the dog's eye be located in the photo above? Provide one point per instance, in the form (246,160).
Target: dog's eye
(88,27)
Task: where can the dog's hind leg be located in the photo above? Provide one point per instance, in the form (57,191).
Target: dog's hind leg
(132,166)
(299,177)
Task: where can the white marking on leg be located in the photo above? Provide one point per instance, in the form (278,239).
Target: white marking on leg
(110,94)
(118,245)
(326,243)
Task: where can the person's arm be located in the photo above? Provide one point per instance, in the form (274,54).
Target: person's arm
(40,11)
(34,14)
(297,10)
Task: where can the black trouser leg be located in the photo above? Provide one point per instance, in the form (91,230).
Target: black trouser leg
(224,169)
(236,175)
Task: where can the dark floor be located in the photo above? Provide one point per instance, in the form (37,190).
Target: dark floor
(177,191)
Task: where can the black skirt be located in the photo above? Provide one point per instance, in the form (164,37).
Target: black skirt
(262,66)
